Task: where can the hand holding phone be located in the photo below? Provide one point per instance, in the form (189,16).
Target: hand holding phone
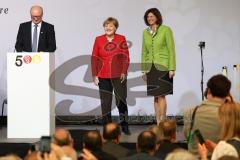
(32,147)
(45,144)
(199,136)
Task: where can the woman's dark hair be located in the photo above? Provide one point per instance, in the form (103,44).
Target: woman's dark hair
(156,13)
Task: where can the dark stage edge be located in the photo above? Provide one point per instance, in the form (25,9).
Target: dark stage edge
(95,120)
(134,120)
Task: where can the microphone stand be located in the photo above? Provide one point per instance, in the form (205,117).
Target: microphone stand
(3,103)
(202,46)
(2,121)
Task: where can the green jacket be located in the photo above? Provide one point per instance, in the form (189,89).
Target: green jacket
(158,49)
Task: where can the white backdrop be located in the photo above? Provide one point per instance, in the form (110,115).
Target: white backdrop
(78,22)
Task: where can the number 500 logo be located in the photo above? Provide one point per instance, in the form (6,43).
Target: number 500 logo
(27,59)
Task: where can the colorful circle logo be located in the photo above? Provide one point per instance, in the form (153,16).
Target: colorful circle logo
(27,59)
(37,59)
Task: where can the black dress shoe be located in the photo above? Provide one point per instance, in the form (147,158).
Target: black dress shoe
(125,130)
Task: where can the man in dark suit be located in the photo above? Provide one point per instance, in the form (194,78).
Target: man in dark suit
(92,141)
(146,147)
(168,128)
(36,35)
(112,135)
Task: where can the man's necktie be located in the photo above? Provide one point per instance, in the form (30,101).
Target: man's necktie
(34,43)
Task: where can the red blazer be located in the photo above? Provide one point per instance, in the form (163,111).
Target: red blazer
(110,59)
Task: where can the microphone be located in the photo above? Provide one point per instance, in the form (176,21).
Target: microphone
(201,44)
(14,49)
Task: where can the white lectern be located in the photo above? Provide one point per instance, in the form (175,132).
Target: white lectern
(30,99)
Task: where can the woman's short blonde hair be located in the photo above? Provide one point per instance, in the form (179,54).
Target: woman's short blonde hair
(112,20)
(229,115)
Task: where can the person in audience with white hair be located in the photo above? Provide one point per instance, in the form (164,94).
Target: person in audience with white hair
(10,157)
(181,154)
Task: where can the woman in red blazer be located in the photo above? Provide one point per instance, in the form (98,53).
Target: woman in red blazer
(110,61)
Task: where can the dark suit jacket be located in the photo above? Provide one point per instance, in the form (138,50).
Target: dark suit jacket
(101,155)
(46,41)
(115,149)
(165,148)
(141,156)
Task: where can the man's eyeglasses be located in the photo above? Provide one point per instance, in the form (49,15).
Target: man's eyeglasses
(36,16)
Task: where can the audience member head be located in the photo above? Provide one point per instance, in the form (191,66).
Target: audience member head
(218,86)
(181,154)
(229,116)
(112,132)
(92,141)
(10,157)
(36,13)
(62,137)
(147,142)
(168,127)
(157,131)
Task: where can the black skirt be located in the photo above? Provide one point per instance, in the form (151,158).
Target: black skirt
(159,83)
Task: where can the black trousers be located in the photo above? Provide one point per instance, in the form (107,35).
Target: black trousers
(106,88)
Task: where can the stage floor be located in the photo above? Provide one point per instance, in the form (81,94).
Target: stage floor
(135,130)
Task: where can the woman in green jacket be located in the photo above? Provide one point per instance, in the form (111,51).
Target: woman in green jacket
(158,60)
